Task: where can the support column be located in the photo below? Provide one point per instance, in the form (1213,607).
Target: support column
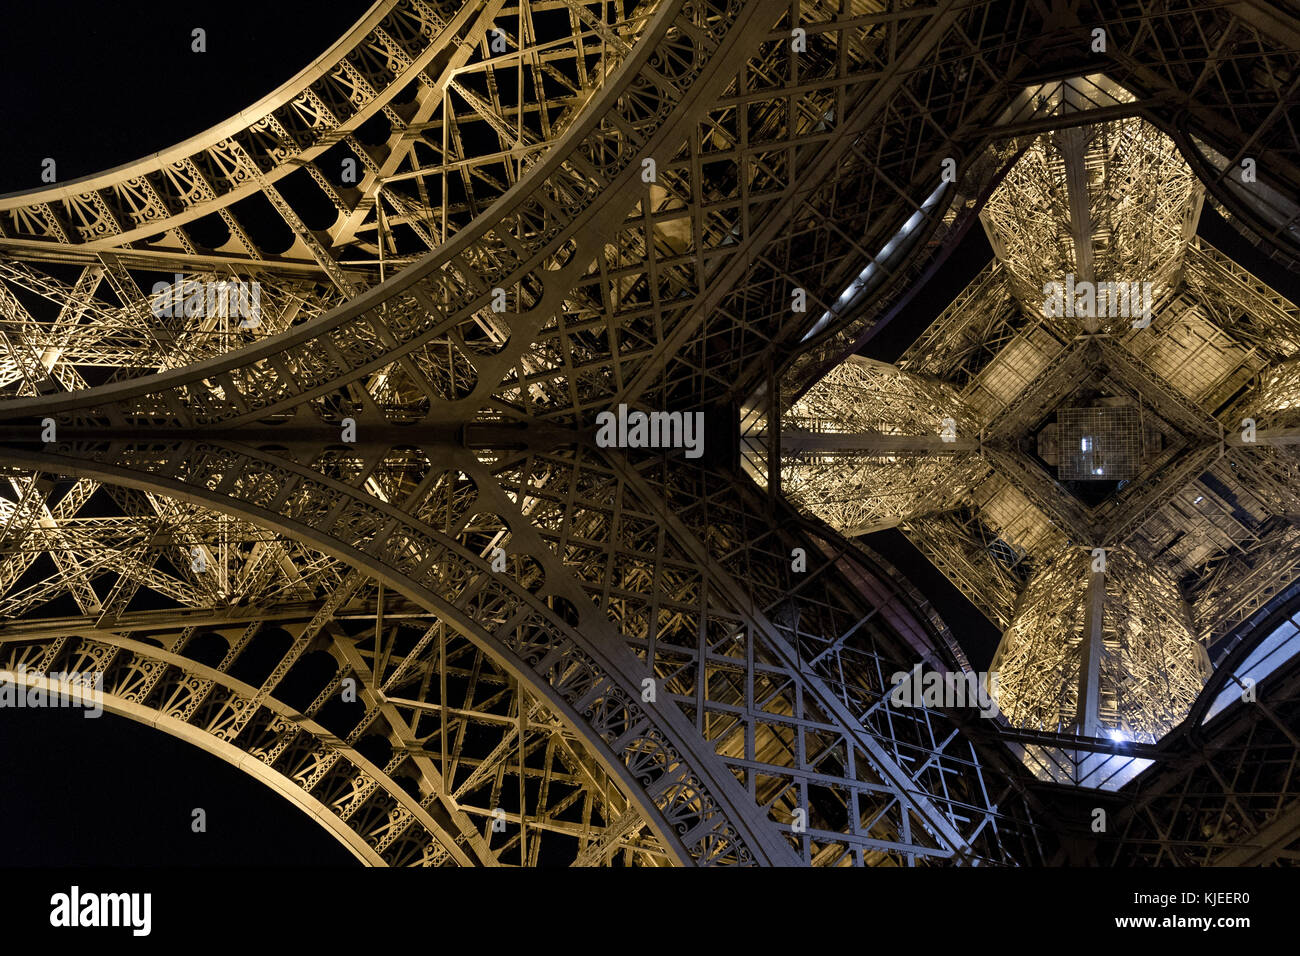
(1089,697)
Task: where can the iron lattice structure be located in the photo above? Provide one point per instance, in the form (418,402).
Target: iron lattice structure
(200,531)
(857,492)
(1059,395)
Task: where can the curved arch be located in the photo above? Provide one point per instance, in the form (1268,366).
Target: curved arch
(421,797)
(207,172)
(394,827)
(699,52)
(1266,623)
(584,673)
(674,97)
(364,30)
(1262,215)
(544,205)
(552,207)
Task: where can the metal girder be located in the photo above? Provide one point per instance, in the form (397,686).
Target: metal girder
(1223,794)
(857,447)
(521,175)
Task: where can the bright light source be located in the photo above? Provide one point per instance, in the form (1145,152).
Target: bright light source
(1118,736)
(1085,444)
(885,254)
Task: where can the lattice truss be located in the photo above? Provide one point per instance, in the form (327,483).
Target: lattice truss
(1109,202)
(1112,201)
(859,492)
(1147,644)
(1226,797)
(106,543)
(892,808)
(424,116)
(904,404)
(804,631)
(439,128)
(521,171)
(440,757)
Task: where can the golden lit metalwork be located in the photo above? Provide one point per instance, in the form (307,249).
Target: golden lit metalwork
(565,653)
(1101,203)
(1148,667)
(1008,513)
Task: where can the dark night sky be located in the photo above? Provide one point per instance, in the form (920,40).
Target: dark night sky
(95,85)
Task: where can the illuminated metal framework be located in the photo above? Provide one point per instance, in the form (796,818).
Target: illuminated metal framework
(1225,794)
(831,434)
(1100,442)
(961,442)
(200,530)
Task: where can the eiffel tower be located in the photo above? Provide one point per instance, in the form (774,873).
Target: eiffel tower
(300,455)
